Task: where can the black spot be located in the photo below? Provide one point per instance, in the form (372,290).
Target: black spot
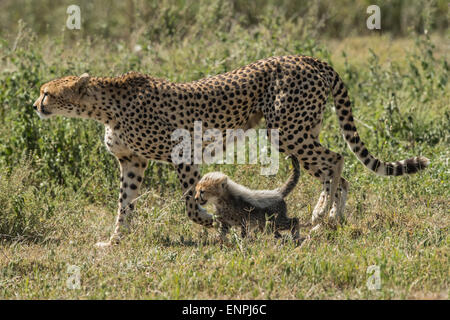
(411,166)
(354,139)
(364,153)
(389,169)
(375,165)
(399,170)
(348,127)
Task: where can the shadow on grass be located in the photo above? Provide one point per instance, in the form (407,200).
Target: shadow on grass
(182,242)
(6,239)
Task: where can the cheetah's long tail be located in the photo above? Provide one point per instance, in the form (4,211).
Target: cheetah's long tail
(290,184)
(351,136)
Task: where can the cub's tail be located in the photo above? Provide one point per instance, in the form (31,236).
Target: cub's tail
(290,184)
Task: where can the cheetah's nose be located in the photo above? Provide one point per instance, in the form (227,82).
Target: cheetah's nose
(34,107)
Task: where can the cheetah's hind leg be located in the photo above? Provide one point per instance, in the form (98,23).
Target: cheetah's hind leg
(321,207)
(338,207)
(329,171)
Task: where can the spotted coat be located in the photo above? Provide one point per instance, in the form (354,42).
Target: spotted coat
(140,113)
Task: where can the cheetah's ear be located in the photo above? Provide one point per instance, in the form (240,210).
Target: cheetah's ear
(80,86)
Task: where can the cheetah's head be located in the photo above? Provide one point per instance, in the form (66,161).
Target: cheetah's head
(62,96)
(210,187)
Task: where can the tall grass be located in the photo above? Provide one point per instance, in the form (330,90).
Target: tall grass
(174,19)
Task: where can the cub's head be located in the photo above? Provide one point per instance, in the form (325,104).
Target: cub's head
(62,97)
(210,187)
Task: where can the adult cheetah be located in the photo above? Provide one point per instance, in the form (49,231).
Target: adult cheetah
(141,112)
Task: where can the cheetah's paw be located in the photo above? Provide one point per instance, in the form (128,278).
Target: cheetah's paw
(106,244)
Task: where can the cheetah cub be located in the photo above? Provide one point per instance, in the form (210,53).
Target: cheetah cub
(237,205)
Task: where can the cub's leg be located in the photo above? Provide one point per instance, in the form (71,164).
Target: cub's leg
(243,229)
(283,222)
(277,234)
(224,229)
(295,228)
(132,168)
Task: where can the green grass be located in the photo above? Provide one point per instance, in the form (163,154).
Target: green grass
(58,184)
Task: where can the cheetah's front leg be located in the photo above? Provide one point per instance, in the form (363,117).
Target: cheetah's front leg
(189,175)
(132,170)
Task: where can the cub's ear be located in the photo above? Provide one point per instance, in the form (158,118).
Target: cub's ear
(81,84)
(223,182)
